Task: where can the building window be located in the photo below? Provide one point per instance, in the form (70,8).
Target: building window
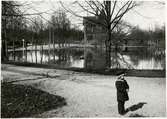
(90,37)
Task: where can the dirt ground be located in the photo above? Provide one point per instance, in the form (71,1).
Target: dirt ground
(91,95)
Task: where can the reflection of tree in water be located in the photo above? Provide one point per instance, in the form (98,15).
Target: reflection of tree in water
(64,57)
(18,56)
(118,61)
(147,53)
(77,53)
(94,58)
(89,60)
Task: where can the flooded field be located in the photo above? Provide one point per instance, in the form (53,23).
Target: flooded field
(94,58)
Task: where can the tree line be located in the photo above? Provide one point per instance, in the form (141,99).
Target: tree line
(154,37)
(17,26)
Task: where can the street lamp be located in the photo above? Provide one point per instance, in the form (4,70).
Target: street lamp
(23,49)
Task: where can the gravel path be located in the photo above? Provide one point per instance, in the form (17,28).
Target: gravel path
(91,95)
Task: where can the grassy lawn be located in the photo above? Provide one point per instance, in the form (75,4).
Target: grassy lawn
(25,101)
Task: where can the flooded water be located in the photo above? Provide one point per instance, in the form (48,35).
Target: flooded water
(94,58)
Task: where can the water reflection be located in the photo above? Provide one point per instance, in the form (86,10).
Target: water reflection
(94,58)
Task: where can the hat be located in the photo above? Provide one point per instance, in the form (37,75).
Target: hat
(121,73)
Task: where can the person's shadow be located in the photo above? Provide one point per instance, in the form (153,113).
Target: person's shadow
(135,107)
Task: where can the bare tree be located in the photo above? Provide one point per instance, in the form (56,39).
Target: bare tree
(8,25)
(36,30)
(108,13)
(41,37)
(60,25)
(53,20)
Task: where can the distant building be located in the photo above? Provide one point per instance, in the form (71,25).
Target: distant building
(93,33)
(96,34)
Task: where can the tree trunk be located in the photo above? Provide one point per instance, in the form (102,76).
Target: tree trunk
(49,45)
(63,42)
(59,42)
(36,51)
(108,50)
(116,55)
(6,49)
(53,47)
(4,40)
(41,53)
(126,48)
(32,44)
(13,49)
(26,50)
(3,50)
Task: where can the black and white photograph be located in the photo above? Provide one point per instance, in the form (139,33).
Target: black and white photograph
(83,58)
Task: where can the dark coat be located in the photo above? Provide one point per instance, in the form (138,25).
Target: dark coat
(122,86)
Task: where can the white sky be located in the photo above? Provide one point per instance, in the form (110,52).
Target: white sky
(147,16)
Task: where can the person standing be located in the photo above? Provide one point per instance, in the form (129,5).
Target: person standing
(122,92)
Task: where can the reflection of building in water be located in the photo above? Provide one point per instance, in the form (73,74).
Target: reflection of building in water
(94,33)
(94,59)
(140,58)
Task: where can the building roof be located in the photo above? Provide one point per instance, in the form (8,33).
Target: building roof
(91,20)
